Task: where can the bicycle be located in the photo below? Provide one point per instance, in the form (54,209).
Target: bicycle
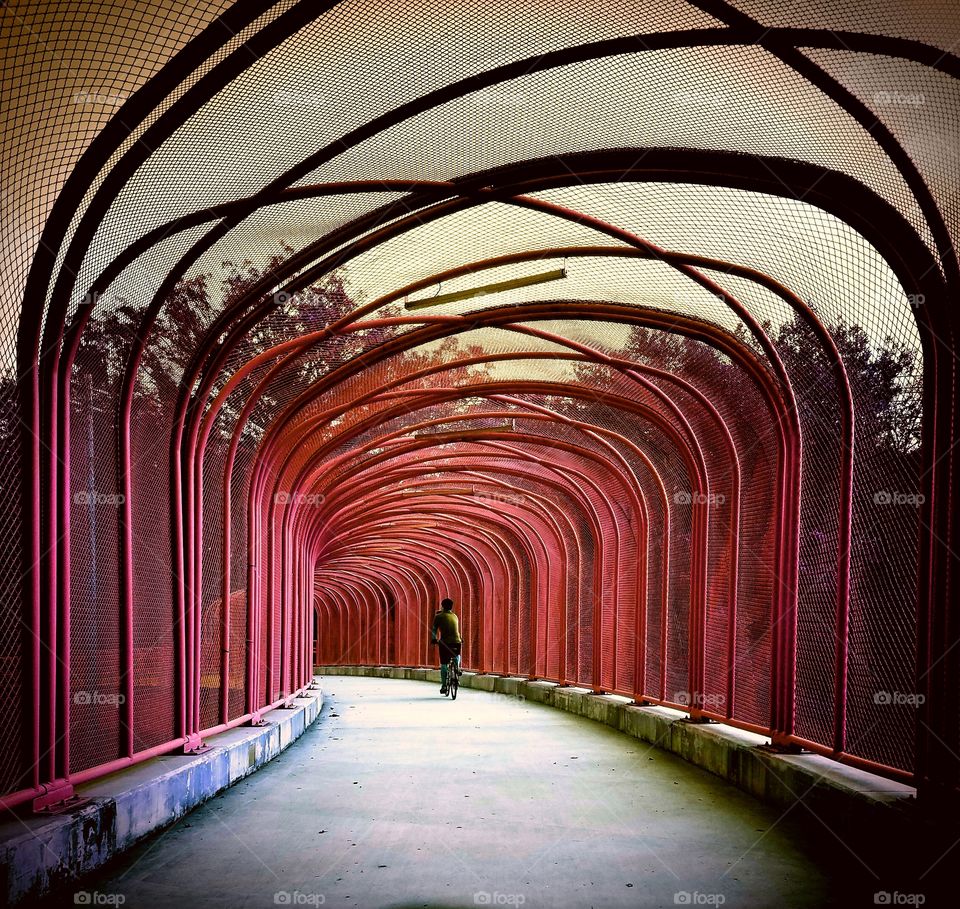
(453,677)
(454,670)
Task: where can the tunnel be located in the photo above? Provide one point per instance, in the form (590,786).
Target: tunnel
(628,327)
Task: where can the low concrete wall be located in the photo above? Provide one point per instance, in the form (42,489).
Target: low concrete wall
(844,797)
(42,853)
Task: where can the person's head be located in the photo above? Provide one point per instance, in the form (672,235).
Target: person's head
(446,605)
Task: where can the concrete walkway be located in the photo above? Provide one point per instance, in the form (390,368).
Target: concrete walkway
(397,797)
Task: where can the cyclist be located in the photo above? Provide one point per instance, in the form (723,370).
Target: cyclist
(446,633)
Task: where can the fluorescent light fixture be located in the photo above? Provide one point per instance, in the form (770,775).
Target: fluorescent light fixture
(467,294)
(456,435)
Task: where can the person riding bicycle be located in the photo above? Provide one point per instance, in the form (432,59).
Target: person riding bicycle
(446,633)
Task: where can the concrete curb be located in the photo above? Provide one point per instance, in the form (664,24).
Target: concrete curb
(42,853)
(843,796)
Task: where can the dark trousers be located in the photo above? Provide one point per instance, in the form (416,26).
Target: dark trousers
(447,652)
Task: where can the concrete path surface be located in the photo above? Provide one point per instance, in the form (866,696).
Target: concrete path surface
(398,797)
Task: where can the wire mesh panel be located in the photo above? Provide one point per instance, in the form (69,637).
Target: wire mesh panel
(96,696)
(13,688)
(154,617)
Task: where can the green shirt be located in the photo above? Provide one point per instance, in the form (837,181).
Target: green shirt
(448,626)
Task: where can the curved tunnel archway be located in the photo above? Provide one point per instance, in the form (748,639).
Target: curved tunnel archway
(635,336)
